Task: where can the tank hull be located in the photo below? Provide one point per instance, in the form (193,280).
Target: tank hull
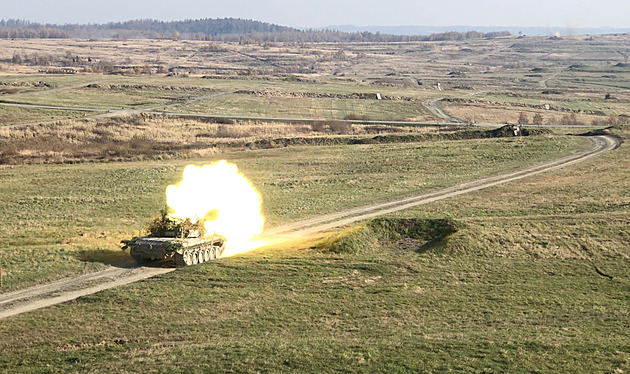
(183,252)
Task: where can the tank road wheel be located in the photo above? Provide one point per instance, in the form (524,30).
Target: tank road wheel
(195,258)
(187,258)
(206,255)
(220,247)
(213,253)
(218,250)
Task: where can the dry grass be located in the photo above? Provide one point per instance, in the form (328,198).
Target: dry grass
(500,61)
(152,136)
(493,114)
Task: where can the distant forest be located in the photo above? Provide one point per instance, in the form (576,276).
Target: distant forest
(220,29)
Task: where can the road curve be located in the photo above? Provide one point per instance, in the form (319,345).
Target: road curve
(599,144)
(433,106)
(64,290)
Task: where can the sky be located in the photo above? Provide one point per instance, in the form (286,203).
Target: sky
(319,13)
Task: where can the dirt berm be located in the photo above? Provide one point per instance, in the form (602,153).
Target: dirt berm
(502,132)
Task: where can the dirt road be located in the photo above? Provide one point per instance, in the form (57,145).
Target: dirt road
(544,83)
(600,144)
(435,109)
(63,290)
(71,288)
(432,105)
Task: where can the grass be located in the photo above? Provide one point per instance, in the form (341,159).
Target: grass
(156,137)
(534,280)
(44,234)
(99,98)
(580,214)
(388,310)
(18,115)
(509,292)
(573,102)
(331,108)
(53,80)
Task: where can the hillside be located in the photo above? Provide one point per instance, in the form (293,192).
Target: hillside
(219,29)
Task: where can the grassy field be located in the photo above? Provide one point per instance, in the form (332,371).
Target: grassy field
(99,99)
(515,290)
(10,115)
(534,280)
(585,102)
(66,212)
(26,83)
(295,107)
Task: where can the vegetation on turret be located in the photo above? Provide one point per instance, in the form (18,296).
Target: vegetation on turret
(165,226)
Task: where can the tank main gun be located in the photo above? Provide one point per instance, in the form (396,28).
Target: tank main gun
(180,241)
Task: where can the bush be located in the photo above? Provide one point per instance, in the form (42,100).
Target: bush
(223,121)
(164,226)
(318,126)
(356,117)
(340,127)
(570,119)
(8,154)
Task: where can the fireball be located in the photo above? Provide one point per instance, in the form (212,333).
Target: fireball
(224,198)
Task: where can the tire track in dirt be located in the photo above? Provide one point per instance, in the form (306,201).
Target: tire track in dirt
(67,289)
(64,290)
(600,144)
(434,107)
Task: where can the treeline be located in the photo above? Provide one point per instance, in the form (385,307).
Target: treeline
(333,36)
(27,30)
(207,26)
(226,29)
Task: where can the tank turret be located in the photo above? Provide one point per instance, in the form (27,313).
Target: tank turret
(180,241)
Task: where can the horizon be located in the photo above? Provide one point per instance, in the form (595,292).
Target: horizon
(576,14)
(390,29)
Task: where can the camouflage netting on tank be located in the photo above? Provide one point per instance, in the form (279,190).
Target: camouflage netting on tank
(165,226)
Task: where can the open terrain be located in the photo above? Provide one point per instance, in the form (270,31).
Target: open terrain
(69,289)
(525,275)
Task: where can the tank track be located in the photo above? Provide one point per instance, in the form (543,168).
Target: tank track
(183,252)
(199,255)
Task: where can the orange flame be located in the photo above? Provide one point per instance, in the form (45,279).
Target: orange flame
(227,201)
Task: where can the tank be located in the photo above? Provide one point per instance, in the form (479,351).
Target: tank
(175,240)
(182,251)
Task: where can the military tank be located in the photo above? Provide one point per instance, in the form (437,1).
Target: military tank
(179,241)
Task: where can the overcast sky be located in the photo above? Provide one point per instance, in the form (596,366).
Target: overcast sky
(315,13)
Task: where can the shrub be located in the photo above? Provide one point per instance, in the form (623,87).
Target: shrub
(8,153)
(356,117)
(340,127)
(223,121)
(318,126)
(570,119)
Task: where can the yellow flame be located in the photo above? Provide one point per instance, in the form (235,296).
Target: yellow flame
(223,197)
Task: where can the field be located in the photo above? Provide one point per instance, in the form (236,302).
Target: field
(516,289)
(53,237)
(528,276)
